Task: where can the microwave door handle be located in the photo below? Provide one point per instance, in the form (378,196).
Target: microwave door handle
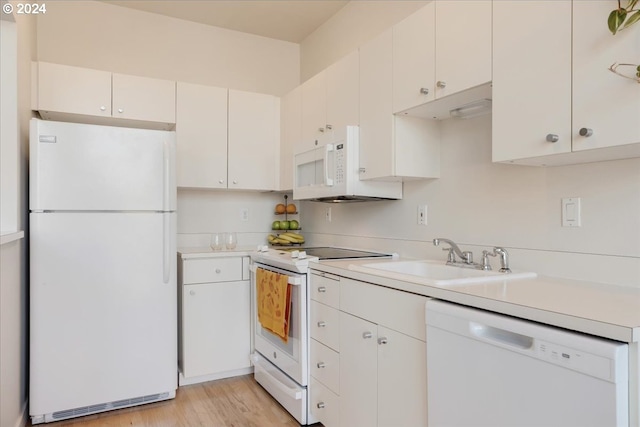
(327,179)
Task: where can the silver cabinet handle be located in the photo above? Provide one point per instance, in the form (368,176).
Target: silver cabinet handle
(552,137)
(103,108)
(328,127)
(441,84)
(424,91)
(192,292)
(322,289)
(367,335)
(217,270)
(235,182)
(383,340)
(320,129)
(322,324)
(320,405)
(586,132)
(120,110)
(320,365)
(221,181)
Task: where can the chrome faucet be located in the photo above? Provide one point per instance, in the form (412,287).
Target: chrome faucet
(504,259)
(466,256)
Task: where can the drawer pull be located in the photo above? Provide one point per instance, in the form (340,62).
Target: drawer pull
(218,270)
(367,335)
(322,289)
(320,365)
(320,405)
(383,340)
(322,324)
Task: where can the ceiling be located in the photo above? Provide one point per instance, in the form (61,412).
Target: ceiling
(285,20)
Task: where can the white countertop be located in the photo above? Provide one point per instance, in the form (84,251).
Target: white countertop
(208,252)
(599,309)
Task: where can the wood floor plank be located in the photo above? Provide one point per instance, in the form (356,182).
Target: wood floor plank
(230,402)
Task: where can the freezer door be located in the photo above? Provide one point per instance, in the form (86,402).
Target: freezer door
(83,167)
(103,314)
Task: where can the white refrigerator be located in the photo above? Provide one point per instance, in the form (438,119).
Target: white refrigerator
(103,295)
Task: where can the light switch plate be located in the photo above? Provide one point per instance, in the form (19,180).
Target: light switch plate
(571,212)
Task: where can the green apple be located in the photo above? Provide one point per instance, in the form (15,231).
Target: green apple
(275,225)
(294,225)
(284,225)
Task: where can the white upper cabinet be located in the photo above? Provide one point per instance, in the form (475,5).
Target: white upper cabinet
(201,135)
(93,96)
(254,141)
(329,103)
(554,100)
(442,49)
(290,135)
(463,45)
(391,147)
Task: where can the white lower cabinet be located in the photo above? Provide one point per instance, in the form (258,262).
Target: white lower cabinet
(214,311)
(375,375)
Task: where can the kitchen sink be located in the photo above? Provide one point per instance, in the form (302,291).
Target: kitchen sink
(431,272)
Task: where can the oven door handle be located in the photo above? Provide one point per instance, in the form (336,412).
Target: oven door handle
(292,280)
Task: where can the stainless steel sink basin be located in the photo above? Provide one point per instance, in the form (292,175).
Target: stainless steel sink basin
(430,272)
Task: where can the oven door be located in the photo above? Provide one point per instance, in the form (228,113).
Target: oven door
(290,357)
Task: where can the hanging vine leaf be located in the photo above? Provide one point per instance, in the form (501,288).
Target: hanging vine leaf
(632,20)
(616,18)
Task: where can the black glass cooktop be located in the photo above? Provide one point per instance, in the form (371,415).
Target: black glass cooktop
(328,252)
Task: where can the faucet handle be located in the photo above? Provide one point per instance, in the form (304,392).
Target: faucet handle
(451,256)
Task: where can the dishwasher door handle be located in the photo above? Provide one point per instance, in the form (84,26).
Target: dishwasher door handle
(502,336)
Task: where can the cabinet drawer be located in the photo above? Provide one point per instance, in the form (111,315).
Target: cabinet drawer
(325,366)
(325,405)
(211,270)
(326,289)
(325,325)
(397,310)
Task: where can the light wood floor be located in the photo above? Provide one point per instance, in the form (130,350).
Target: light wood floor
(231,402)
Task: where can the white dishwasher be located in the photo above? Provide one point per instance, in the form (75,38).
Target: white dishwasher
(487,369)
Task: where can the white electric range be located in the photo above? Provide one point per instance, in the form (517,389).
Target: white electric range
(283,368)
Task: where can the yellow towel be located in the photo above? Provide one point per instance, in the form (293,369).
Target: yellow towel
(274,302)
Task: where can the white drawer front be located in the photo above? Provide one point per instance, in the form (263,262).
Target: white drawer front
(326,290)
(325,325)
(325,405)
(398,310)
(207,270)
(325,366)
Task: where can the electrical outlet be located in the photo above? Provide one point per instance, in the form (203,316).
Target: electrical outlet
(422,214)
(244,214)
(327,214)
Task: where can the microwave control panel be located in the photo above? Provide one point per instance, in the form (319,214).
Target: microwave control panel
(339,164)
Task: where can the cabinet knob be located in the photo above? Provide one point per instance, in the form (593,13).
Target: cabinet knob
(552,137)
(586,132)
(441,84)
(383,340)
(320,129)
(103,108)
(362,170)
(320,365)
(316,141)
(192,292)
(328,127)
(322,324)
(322,289)
(120,110)
(235,182)
(217,270)
(221,181)
(320,405)
(424,91)
(367,335)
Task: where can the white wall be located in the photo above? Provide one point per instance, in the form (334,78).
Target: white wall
(98,35)
(480,204)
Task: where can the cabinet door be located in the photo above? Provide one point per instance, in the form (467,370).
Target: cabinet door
(290,135)
(215,328)
(201,135)
(342,95)
(376,115)
(531,78)
(143,98)
(463,44)
(66,89)
(402,380)
(607,104)
(254,140)
(358,372)
(413,59)
(314,112)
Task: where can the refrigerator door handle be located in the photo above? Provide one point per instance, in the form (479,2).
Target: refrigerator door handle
(166,169)
(166,247)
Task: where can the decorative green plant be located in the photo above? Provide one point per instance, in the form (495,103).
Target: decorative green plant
(619,19)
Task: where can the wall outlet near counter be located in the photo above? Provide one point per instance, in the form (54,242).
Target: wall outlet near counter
(422,214)
(244,214)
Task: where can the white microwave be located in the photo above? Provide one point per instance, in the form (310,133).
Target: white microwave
(331,173)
